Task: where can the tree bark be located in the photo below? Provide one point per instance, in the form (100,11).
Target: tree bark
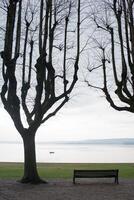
(30,167)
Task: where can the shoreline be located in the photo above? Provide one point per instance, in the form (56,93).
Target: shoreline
(75,163)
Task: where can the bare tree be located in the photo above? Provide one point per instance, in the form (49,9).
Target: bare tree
(40,63)
(115,47)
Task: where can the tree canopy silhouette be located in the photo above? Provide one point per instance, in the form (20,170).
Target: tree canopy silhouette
(115,46)
(40,64)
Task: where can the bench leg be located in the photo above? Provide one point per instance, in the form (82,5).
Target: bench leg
(73,180)
(116,180)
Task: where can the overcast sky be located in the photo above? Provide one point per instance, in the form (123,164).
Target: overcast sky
(87,116)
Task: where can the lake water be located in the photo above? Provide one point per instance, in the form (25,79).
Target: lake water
(70,153)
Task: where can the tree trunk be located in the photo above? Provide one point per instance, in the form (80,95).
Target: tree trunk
(30,167)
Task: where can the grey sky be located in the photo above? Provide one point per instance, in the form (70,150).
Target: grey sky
(87,115)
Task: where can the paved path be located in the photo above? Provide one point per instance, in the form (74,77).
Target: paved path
(92,189)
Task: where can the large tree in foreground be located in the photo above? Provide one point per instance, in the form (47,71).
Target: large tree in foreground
(40,63)
(115,46)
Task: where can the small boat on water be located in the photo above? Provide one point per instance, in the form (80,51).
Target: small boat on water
(51,152)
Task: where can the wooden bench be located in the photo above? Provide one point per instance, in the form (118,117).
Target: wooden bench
(96,174)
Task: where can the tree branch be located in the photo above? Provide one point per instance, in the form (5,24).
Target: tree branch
(56,110)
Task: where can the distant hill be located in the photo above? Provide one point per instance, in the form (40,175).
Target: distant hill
(126,141)
(116,141)
(121,141)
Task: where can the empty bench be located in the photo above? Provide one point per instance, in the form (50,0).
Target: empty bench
(96,174)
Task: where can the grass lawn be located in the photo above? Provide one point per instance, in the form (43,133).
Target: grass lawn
(58,170)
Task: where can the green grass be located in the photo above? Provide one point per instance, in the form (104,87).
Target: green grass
(48,171)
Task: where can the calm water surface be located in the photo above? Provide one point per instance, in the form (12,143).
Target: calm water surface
(70,153)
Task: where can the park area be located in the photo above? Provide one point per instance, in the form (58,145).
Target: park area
(71,63)
(60,185)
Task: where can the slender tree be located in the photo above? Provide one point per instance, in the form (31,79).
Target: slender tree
(116,52)
(40,64)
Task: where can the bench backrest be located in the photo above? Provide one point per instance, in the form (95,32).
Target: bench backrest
(95,173)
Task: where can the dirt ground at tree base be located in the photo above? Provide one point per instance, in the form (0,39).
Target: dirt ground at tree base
(87,189)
